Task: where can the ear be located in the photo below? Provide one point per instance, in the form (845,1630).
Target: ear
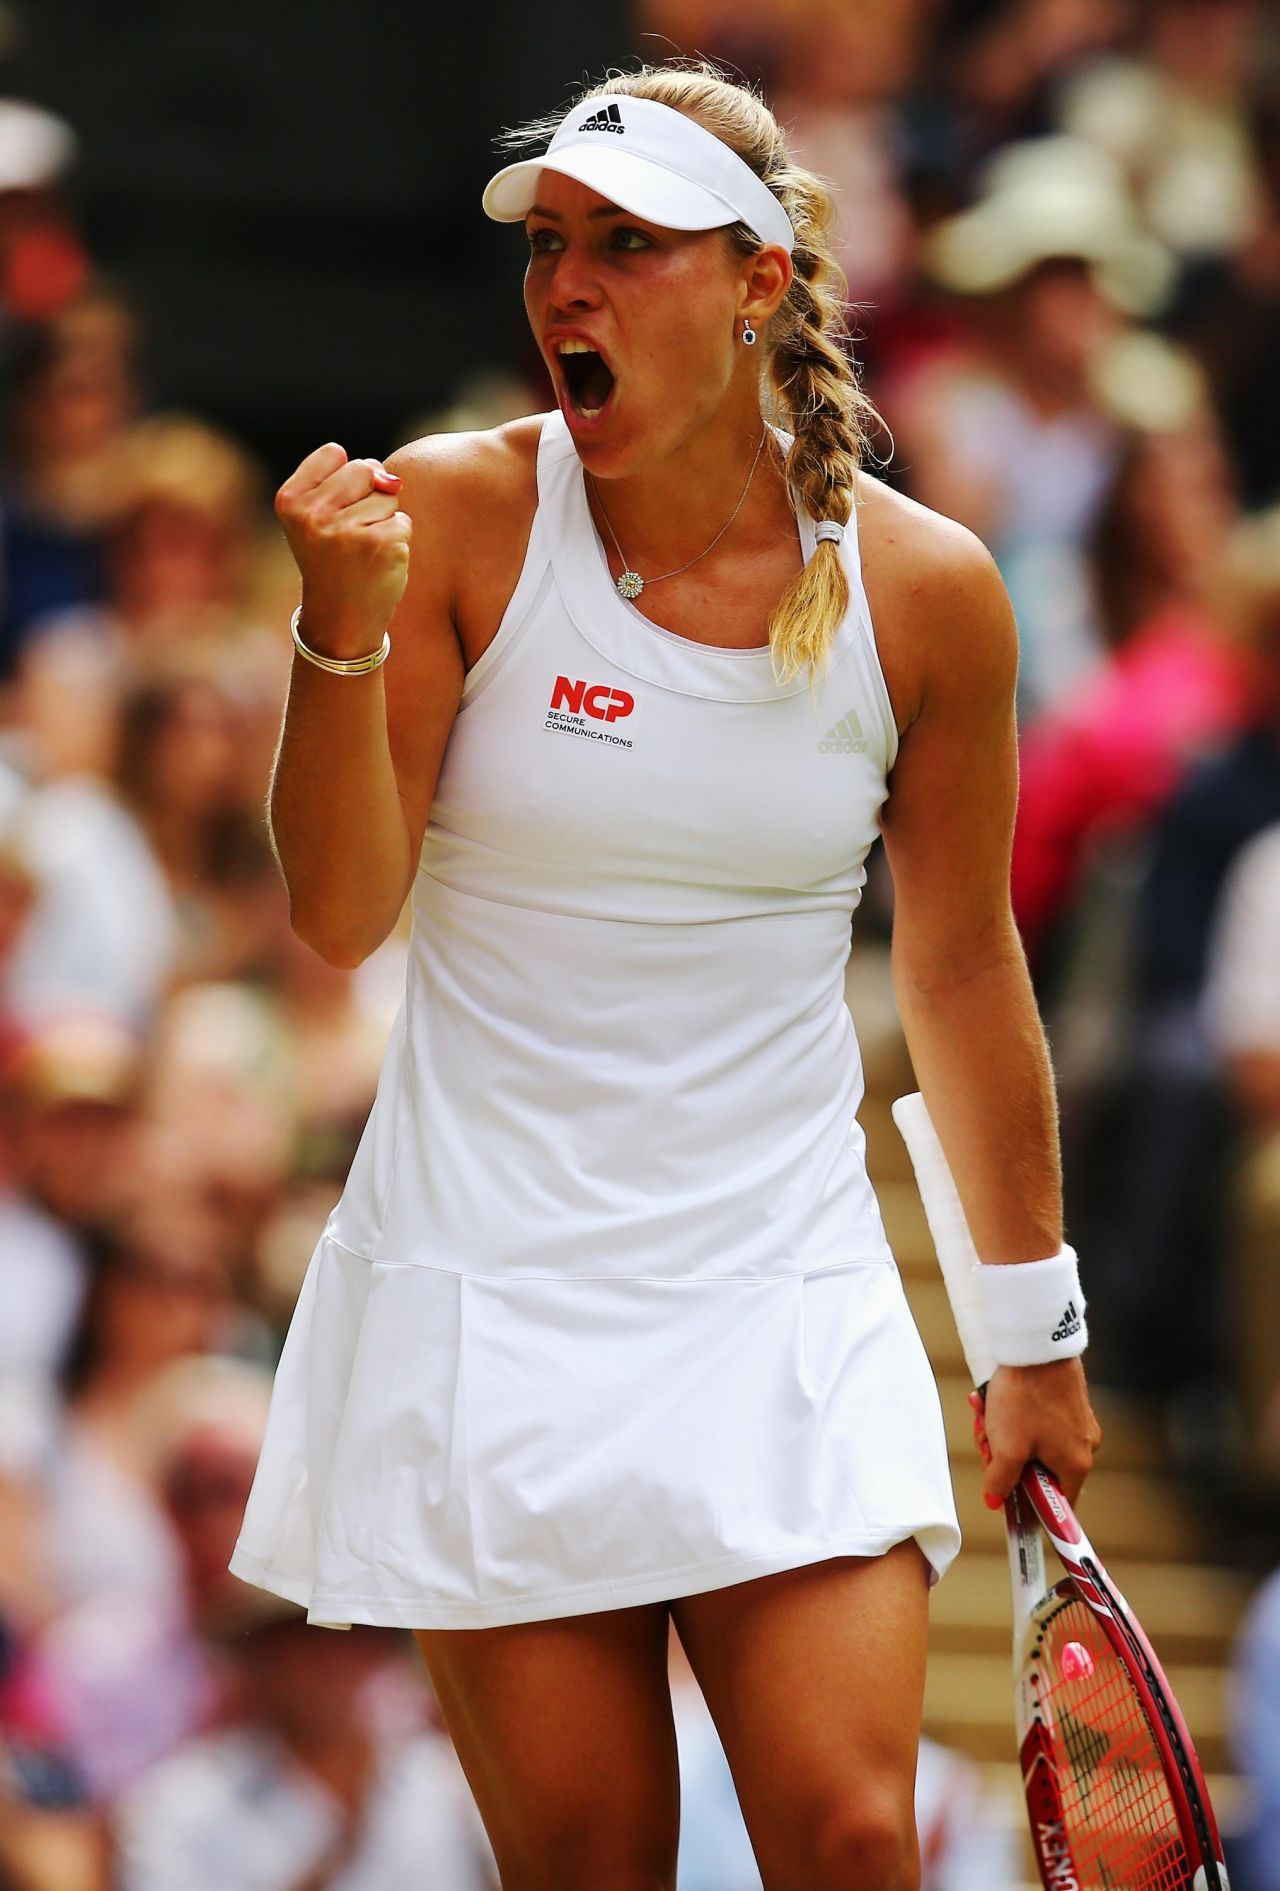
(765,281)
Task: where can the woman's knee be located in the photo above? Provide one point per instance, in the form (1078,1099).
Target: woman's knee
(867,1839)
(600,1846)
(586,1873)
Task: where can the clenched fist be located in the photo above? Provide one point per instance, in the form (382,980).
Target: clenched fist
(350,543)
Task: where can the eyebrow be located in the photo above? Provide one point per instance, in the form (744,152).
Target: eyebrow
(605,210)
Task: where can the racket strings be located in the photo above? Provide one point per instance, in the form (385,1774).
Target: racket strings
(1116,1806)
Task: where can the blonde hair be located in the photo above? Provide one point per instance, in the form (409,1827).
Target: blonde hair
(812,380)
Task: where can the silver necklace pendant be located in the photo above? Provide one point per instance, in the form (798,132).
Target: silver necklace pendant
(631,584)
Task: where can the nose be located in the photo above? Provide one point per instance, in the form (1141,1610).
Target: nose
(574,284)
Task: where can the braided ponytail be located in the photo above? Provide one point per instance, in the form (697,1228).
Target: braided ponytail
(817,392)
(813,391)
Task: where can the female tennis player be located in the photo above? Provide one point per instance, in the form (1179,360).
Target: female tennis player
(605,1330)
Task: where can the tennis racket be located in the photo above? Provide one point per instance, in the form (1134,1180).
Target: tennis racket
(1115,1794)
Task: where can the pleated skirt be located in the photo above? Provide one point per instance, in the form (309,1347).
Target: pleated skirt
(451,1449)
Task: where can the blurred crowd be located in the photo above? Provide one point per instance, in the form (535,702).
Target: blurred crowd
(1060,221)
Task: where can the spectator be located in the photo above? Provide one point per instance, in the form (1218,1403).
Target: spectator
(337,1023)
(101,931)
(189,564)
(839,74)
(998,67)
(110,1560)
(1231,316)
(1013,436)
(1225,802)
(71,1088)
(73,392)
(1147,1182)
(43,264)
(46,1845)
(67,1094)
(1242,1003)
(1172,687)
(313,1786)
(1176,117)
(1255,1736)
(181,775)
(221,1115)
(181,553)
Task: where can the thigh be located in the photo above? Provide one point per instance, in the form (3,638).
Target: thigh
(815,1680)
(565,1732)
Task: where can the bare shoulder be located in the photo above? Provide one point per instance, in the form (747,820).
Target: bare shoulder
(461,468)
(949,649)
(943,621)
(472,497)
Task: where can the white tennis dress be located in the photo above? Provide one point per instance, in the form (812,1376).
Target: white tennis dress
(606,1313)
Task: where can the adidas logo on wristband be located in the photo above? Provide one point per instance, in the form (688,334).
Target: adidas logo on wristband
(1068,1326)
(1033,1311)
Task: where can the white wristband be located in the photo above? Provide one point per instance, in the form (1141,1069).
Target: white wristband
(1034,1310)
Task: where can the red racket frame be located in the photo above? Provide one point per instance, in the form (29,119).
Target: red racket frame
(1040,1491)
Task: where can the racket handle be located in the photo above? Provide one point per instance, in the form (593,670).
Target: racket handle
(957,1256)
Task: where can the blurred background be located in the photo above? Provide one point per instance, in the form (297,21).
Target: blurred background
(230,233)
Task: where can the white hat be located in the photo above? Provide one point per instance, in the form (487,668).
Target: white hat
(36,147)
(649,159)
(1052,197)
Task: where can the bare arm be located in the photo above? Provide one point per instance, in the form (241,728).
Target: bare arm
(358,757)
(960,975)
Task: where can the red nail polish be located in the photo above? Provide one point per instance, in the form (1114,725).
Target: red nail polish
(992,1502)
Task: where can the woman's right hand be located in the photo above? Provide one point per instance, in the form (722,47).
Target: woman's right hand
(1040,1412)
(350,543)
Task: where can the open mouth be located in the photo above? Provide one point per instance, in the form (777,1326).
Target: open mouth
(588,381)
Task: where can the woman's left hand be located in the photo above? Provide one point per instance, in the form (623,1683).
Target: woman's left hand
(1035,1412)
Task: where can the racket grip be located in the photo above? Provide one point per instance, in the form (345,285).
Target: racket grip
(957,1256)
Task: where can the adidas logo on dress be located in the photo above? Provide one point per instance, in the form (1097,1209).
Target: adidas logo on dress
(610,119)
(845,739)
(1068,1325)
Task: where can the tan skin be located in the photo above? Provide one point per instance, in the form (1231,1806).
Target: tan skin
(815,1675)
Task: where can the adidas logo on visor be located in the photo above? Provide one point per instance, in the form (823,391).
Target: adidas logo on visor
(608,120)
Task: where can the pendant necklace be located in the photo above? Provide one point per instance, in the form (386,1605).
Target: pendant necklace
(631,584)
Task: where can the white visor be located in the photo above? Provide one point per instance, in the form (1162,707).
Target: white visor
(651,160)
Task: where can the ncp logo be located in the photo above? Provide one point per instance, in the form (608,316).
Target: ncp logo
(597,700)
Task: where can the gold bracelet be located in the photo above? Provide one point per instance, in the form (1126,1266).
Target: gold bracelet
(340,666)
